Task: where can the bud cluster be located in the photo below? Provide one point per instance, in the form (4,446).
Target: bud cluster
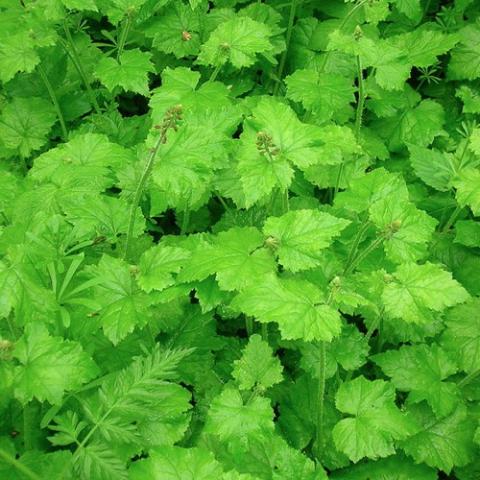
(272,243)
(265,145)
(170,121)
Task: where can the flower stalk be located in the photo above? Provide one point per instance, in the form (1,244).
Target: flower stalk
(170,121)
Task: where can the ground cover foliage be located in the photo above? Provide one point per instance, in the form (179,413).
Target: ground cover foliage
(239,240)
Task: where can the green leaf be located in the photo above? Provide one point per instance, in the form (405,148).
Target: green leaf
(468,189)
(90,156)
(409,240)
(474,141)
(101,215)
(297,306)
(434,167)
(465,58)
(230,417)
(411,8)
(235,256)
(470,98)
(422,371)
(371,188)
(130,72)
(180,86)
(462,335)
(177,31)
(25,124)
(325,95)
(467,232)
(423,123)
(158,264)
(419,290)
(238,41)
(257,367)
(123,305)
(300,236)
(375,421)
(261,174)
(50,366)
(297,142)
(173,463)
(444,443)
(395,467)
(81,5)
(185,171)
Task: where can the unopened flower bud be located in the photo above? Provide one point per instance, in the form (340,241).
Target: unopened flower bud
(358,33)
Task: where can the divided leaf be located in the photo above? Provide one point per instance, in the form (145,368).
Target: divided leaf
(257,368)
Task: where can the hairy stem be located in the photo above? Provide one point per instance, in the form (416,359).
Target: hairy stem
(139,191)
(123,36)
(469,378)
(452,219)
(27,431)
(358,118)
(249,325)
(264,331)
(54,99)
(23,469)
(347,17)
(377,242)
(72,52)
(288,38)
(320,397)
(215,73)
(185,221)
(356,242)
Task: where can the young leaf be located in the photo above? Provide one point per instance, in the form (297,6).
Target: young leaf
(375,421)
(49,366)
(301,236)
(257,367)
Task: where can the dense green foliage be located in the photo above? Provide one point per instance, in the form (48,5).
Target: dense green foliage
(239,240)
